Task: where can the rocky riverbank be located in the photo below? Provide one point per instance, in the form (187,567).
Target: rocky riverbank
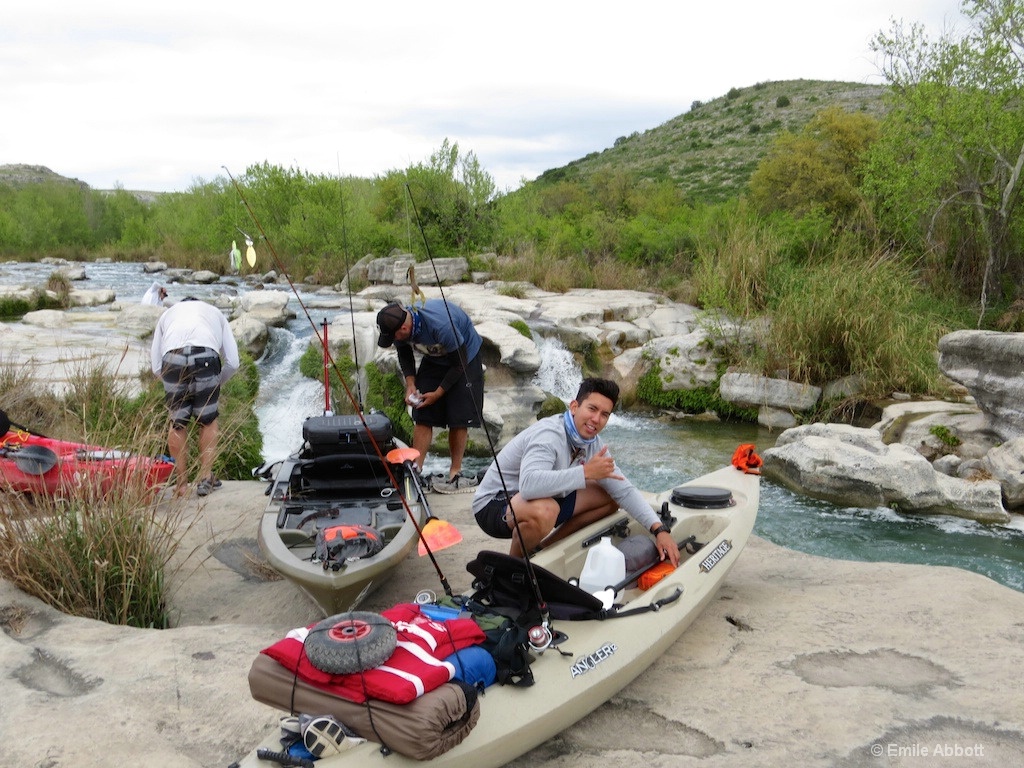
(962,458)
(799,660)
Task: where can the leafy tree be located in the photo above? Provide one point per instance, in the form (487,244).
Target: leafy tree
(125,222)
(946,173)
(52,215)
(12,237)
(819,168)
(201,220)
(452,195)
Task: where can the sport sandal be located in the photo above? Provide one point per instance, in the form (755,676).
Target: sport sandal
(324,736)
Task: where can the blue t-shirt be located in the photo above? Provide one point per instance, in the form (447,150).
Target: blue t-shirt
(439,329)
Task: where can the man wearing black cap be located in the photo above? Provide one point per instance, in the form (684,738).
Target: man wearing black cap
(448,389)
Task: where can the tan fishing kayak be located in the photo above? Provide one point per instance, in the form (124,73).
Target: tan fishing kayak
(595,659)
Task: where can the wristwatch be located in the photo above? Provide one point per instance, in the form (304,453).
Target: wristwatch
(661,529)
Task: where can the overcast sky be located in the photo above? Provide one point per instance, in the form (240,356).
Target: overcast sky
(156,96)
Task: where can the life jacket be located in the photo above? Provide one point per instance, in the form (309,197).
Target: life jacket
(338,543)
(746,460)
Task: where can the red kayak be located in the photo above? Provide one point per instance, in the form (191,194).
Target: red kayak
(34,464)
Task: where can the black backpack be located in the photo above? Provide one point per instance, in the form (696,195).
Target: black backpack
(508,645)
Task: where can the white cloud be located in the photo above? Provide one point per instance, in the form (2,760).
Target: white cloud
(155,97)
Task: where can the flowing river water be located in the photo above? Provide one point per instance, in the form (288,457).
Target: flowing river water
(655,455)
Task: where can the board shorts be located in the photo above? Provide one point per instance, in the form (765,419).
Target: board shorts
(457,408)
(491,518)
(191,379)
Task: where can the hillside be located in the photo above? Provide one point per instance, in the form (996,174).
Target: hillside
(20,175)
(711,150)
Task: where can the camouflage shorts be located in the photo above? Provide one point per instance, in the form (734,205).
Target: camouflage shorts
(191,378)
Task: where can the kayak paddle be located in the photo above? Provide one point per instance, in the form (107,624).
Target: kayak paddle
(31,459)
(434,533)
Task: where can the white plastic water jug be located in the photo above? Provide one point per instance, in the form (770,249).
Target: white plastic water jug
(605,567)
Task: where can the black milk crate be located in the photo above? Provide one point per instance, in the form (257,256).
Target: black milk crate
(330,435)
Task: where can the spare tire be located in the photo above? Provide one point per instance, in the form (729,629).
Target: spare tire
(350,642)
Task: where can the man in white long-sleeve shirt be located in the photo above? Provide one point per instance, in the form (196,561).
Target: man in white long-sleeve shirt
(193,353)
(557,476)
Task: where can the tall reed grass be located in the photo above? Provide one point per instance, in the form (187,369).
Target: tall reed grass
(100,555)
(105,553)
(836,319)
(734,266)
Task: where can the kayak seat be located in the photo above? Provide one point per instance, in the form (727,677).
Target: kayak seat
(343,476)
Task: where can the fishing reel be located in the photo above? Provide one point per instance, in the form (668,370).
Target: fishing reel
(425,597)
(540,637)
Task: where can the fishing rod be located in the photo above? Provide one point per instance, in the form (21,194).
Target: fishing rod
(534,583)
(348,392)
(348,286)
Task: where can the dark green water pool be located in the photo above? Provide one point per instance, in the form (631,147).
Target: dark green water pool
(657,456)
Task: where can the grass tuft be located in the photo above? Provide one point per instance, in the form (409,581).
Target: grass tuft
(108,554)
(99,556)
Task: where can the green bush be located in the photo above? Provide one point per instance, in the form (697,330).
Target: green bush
(241,443)
(694,401)
(386,393)
(13,307)
(311,365)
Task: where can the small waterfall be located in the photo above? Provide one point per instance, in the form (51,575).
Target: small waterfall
(286,397)
(558,373)
(561,376)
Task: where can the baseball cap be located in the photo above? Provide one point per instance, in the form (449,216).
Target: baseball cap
(389,320)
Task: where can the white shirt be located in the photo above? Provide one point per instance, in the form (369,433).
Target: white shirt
(195,324)
(152,296)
